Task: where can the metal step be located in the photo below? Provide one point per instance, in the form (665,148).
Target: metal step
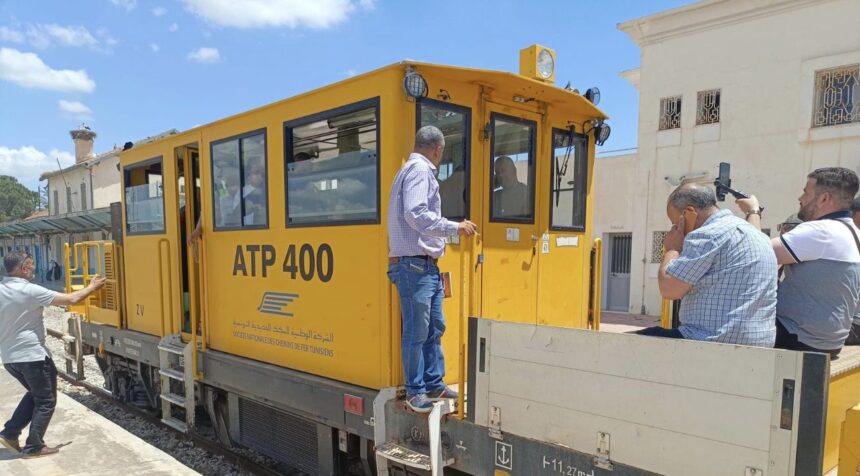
(171,349)
(172,373)
(175,424)
(173,398)
(405,456)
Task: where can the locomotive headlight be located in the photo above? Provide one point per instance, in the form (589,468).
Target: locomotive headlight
(545,64)
(601,133)
(414,84)
(538,62)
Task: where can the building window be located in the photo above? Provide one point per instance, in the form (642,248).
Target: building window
(333,166)
(708,107)
(569,189)
(657,246)
(670,113)
(68,199)
(144,198)
(837,96)
(83,196)
(55,210)
(239,192)
(455,124)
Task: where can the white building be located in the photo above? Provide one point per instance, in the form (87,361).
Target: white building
(770,86)
(79,200)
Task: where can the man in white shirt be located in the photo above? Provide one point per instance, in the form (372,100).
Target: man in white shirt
(23,350)
(818,297)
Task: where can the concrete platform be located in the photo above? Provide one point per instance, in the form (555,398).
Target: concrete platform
(92,445)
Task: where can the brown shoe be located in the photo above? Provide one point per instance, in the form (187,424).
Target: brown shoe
(11,444)
(45,451)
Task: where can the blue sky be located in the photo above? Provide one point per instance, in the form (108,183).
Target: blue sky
(134,68)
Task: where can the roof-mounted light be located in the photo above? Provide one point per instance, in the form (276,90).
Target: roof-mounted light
(538,62)
(414,84)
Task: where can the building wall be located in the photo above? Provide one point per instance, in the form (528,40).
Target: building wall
(763,56)
(106,182)
(73,179)
(102,181)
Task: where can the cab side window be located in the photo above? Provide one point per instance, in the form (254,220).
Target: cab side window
(453,172)
(239,182)
(569,189)
(333,167)
(144,197)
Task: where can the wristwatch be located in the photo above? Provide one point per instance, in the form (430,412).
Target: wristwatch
(755,212)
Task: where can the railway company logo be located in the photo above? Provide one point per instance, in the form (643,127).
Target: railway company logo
(276,303)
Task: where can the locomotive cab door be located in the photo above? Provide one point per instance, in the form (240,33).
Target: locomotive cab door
(510,225)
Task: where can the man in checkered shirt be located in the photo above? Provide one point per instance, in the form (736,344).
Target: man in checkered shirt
(724,272)
(416,240)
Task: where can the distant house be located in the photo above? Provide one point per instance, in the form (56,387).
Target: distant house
(79,198)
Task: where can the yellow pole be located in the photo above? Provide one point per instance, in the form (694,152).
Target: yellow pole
(461,345)
(598,281)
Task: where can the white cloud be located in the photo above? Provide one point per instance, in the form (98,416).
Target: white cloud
(205,55)
(318,14)
(159,11)
(173,28)
(29,71)
(104,34)
(154,47)
(43,36)
(27,163)
(75,110)
(350,73)
(11,35)
(127,4)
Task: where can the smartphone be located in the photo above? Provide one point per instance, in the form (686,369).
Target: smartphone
(724,181)
(690,217)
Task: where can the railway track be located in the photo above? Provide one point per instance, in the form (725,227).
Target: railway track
(239,461)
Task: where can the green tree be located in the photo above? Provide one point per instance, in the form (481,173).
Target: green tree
(16,200)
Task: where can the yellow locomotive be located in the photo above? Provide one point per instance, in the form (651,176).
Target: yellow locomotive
(281,325)
(285,310)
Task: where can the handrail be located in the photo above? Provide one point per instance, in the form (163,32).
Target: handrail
(204,293)
(461,344)
(193,310)
(597,288)
(161,284)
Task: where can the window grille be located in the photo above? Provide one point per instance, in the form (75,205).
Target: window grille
(708,107)
(657,246)
(670,113)
(837,96)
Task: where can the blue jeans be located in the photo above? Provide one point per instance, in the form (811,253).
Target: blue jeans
(420,289)
(37,406)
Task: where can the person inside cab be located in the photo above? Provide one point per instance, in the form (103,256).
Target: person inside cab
(511,198)
(721,268)
(819,293)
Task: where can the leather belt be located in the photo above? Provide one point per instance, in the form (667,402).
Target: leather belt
(396,259)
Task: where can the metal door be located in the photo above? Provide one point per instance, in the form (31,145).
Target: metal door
(509,224)
(618,278)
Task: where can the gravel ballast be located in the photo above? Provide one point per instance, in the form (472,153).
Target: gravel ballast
(157,435)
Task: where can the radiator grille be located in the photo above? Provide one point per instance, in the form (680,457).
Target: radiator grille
(281,436)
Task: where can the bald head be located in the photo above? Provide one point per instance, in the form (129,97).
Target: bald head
(699,197)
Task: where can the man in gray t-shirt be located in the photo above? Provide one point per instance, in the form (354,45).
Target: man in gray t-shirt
(818,297)
(23,350)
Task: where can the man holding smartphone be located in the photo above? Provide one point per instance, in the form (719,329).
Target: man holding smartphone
(818,297)
(721,268)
